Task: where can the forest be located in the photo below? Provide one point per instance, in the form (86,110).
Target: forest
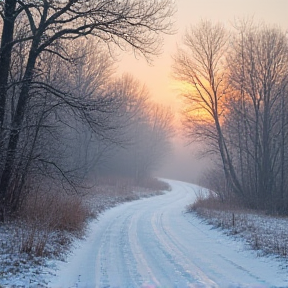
(65,117)
(236,104)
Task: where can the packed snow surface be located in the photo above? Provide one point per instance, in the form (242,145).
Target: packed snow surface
(153,242)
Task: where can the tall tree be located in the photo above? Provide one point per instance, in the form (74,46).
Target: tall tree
(238,102)
(51,24)
(258,72)
(147,131)
(201,64)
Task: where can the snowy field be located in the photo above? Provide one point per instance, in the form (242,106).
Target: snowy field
(153,242)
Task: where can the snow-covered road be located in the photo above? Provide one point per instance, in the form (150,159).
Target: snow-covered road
(154,243)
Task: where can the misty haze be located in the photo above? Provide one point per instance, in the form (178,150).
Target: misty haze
(143,144)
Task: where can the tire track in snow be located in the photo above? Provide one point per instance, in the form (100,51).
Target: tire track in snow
(138,252)
(155,257)
(115,244)
(176,253)
(152,243)
(159,253)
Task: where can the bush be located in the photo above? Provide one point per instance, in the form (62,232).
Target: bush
(213,201)
(154,184)
(44,213)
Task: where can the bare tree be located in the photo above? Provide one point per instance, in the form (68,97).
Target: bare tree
(155,139)
(259,65)
(237,102)
(147,131)
(202,65)
(49,25)
(56,125)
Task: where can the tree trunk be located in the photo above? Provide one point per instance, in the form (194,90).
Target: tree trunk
(5,54)
(14,135)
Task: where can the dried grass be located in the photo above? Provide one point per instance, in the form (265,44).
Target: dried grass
(44,213)
(112,191)
(50,220)
(213,202)
(154,184)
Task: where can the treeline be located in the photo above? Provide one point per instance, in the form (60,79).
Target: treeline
(238,107)
(64,117)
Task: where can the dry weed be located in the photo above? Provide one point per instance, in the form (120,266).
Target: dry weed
(42,214)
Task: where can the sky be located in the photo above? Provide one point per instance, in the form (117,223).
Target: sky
(158,79)
(189,12)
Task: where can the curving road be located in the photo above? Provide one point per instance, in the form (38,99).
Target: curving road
(154,243)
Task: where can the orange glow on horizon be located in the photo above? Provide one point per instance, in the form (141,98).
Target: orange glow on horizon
(190,107)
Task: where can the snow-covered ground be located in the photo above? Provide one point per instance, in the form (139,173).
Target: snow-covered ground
(153,243)
(265,233)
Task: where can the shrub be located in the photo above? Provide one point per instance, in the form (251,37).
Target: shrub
(213,201)
(44,213)
(154,184)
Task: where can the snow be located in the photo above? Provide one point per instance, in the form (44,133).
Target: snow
(265,233)
(153,243)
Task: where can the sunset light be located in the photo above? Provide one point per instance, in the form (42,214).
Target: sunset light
(143,143)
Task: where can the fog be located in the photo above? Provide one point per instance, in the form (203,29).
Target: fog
(184,163)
